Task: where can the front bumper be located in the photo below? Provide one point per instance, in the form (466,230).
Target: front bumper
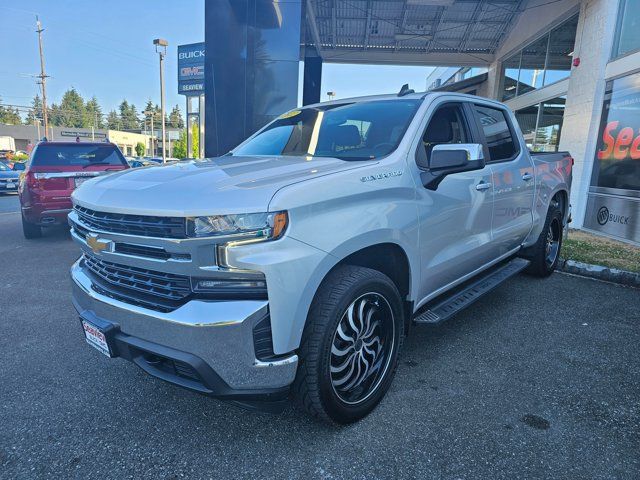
(213,338)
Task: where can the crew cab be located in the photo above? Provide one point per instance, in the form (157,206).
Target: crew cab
(294,265)
(54,170)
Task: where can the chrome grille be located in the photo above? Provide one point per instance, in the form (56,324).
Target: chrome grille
(146,286)
(141,225)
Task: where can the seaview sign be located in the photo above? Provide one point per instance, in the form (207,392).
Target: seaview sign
(191,69)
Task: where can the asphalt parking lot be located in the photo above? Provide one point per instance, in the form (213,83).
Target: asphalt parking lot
(541,379)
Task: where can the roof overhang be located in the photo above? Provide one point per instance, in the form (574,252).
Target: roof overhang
(410,32)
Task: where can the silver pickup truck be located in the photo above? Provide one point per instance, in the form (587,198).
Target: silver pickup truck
(294,265)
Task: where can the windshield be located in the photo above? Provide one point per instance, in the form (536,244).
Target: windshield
(352,131)
(3,167)
(77,155)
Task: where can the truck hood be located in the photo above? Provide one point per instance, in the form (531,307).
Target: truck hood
(220,185)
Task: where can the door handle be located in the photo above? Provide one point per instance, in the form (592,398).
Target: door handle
(527,176)
(483,186)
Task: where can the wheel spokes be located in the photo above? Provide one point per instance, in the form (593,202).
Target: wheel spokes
(359,348)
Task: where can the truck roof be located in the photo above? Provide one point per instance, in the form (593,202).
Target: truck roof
(416,95)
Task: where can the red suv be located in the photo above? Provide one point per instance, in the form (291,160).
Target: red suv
(55,169)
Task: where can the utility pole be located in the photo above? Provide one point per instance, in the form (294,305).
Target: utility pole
(161,49)
(43,77)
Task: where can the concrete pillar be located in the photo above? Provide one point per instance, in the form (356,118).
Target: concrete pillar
(594,41)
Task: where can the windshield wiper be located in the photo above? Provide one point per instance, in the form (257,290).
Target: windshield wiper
(348,158)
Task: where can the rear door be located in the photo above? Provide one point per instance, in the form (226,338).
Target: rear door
(454,219)
(512,178)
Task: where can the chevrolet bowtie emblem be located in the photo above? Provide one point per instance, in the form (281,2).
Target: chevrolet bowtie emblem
(96,244)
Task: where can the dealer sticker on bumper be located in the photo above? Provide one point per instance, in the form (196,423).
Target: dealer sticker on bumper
(95,337)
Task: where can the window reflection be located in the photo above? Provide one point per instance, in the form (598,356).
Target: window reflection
(527,120)
(532,66)
(560,52)
(541,124)
(628,35)
(543,62)
(510,84)
(549,125)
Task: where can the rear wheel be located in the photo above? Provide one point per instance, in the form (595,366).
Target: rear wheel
(545,253)
(31,230)
(350,345)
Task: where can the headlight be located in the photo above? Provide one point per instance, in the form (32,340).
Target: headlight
(245,226)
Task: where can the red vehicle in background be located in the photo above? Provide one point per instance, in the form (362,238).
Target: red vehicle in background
(54,170)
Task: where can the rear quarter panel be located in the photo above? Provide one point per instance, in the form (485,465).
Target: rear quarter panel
(553,174)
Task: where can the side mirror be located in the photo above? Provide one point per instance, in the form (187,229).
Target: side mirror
(451,158)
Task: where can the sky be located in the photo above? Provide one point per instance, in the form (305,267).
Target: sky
(105,49)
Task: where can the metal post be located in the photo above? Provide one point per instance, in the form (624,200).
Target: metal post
(201,121)
(189,129)
(161,48)
(43,77)
(164,137)
(153,138)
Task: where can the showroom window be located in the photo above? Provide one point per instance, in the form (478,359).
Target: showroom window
(617,162)
(541,124)
(543,62)
(628,28)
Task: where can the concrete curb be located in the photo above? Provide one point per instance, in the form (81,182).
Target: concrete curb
(599,272)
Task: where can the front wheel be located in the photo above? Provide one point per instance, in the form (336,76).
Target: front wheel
(544,254)
(349,350)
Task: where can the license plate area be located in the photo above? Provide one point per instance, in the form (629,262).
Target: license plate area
(99,335)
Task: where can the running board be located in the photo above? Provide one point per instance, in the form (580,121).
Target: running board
(450,303)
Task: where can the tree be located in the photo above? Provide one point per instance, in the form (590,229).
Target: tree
(35,112)
(72,109)
(9,116)
(175,118)
(113,120)
(148,111)
(128,116)
(195,141)
(55,115)
(180,146)
(140,149)
(93,114)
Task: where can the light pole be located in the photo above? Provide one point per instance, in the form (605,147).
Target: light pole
(150,114)
(161,50)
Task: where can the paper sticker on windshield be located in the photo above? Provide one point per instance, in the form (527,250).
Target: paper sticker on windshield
(290,114)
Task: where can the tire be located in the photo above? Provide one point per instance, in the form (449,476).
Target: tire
(544,254)
(334,382)
(31,230)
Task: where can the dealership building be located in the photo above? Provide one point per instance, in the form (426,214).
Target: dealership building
(26,136)
(569,69)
